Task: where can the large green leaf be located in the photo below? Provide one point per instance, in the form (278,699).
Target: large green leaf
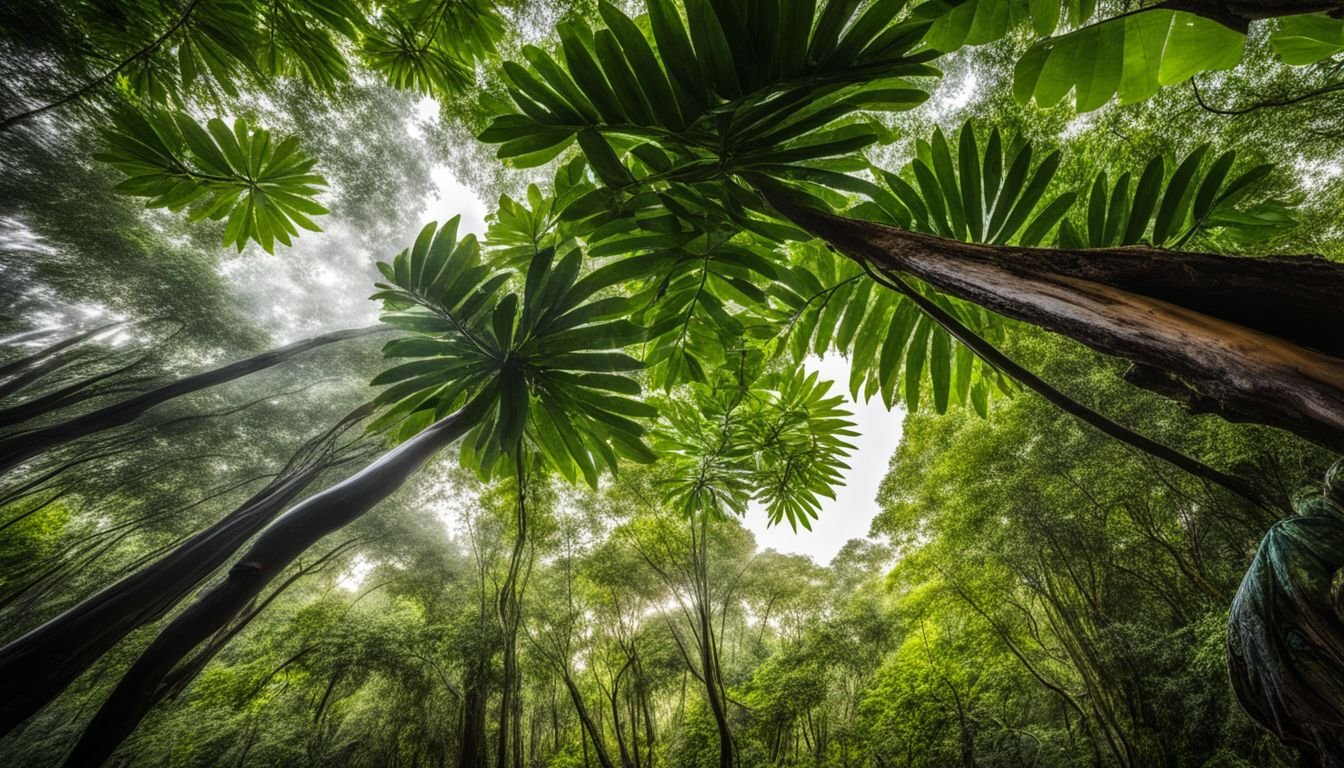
(264,188)
(793,101)
(1130,56)
(546,366)
(1308,39)
(958,23)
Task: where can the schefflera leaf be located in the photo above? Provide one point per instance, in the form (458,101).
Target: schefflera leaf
(779,439)
(264,187)
(546,362)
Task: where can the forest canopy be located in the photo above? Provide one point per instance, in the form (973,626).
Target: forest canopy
(516,382)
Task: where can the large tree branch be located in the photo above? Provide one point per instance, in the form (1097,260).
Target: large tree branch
(1238,14)
(993,356)
(1252,339)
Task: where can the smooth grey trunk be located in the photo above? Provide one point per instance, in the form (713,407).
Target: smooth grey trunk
(37,666)
(16,449)
(275,549)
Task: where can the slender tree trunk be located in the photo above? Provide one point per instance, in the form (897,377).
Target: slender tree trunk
(709,660)
(510,614)
(475,696)
(14,367)
(277,546)
(16,449)
(593,731)
(1250,339)
(37,666)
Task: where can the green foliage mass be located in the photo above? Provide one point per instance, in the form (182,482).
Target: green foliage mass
(631,342)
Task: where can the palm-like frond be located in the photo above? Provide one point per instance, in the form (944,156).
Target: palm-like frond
(1169,211)
(546,364)
(785,94)
(265,188)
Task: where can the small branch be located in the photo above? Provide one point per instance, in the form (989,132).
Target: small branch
(111,74)
(1264,103)
(994,357)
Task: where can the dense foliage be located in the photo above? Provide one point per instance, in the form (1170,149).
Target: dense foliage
(507,511)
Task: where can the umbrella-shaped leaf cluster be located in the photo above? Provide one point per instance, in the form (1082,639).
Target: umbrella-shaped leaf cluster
(542,362)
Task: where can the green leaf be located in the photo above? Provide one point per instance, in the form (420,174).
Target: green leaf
(1308,38)
(1131,55)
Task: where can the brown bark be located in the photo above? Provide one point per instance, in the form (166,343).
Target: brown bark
(1250,339)
(1238,14)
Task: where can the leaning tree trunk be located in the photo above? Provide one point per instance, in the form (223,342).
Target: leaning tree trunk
(16,449)
(37,666)
(277,546)
(1250,339)
(590,728)
(1286,629)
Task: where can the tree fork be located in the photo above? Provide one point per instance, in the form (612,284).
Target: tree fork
(1253,339)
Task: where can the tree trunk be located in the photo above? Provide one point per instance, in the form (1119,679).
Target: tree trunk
(1250,339)
(475,696)
(16,449)
(709,658)
(589,727)
(277,546)
(37,666)
(510,614)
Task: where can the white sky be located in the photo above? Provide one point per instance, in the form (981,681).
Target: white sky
(855,504)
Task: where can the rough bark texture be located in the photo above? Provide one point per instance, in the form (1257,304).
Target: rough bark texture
(1238,14)
(1251,339)
(1286,629)
(278,546)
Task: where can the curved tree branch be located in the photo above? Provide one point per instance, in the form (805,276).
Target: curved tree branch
(993,356)
(106,77)
(1264,103)
(1251,339)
